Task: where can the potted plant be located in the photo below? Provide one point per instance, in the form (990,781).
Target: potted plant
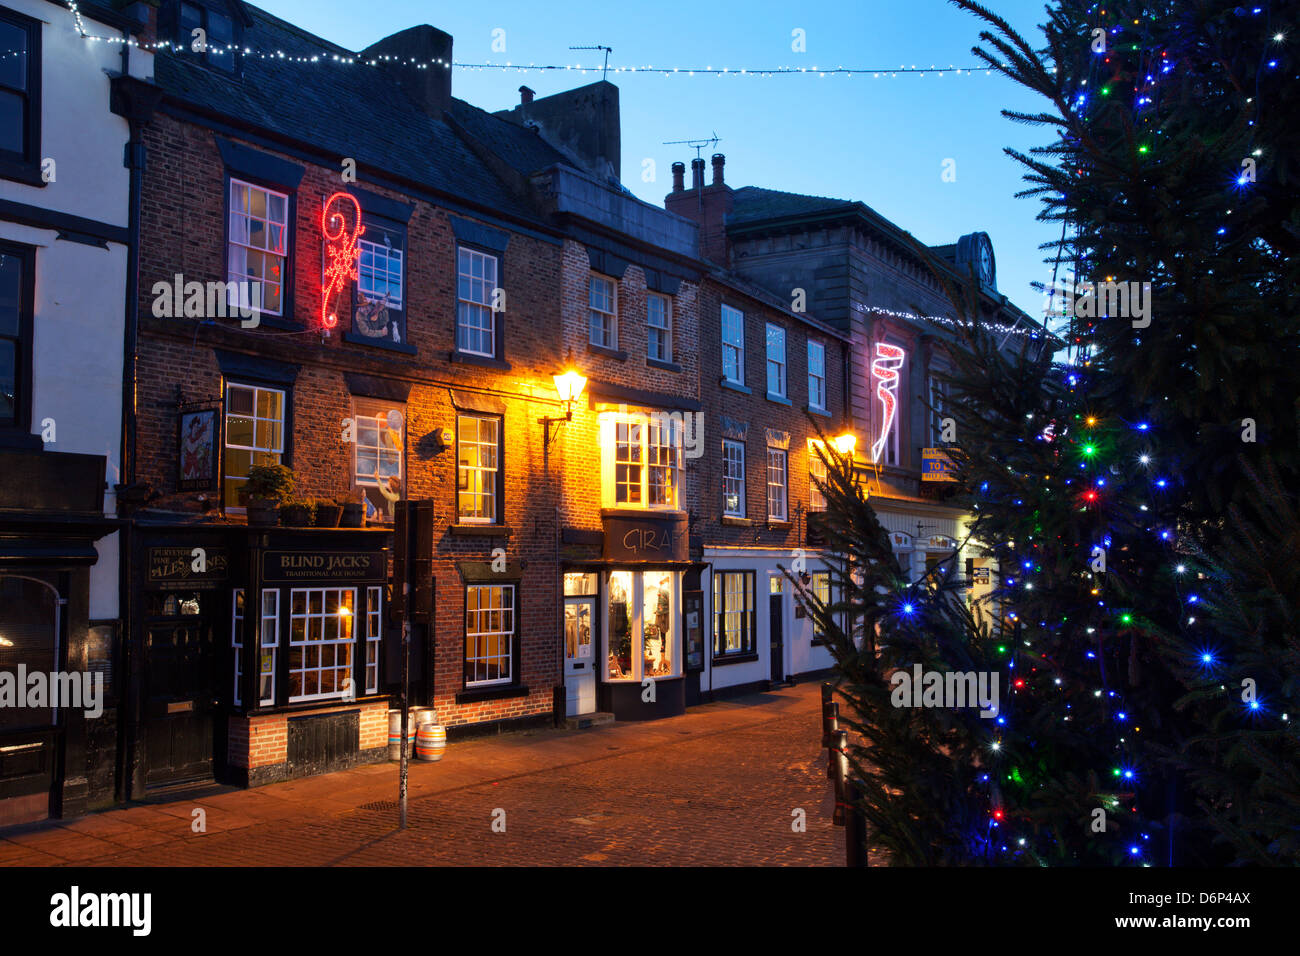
(354,513)
(328,513)
(297,513)
(268,487)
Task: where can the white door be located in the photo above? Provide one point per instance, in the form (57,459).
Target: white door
(579,655)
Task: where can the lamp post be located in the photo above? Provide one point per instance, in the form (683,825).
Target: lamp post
(569,385)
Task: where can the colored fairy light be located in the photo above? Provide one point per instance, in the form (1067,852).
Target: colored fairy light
(1144,459)
(1160,483)
(1143,426)
(1126,618)
(1181,569)
(908,608)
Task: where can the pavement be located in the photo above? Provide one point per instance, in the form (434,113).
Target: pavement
(733,783)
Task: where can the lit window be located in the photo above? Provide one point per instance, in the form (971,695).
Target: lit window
(816,473)
(259,232)
(821,589)
(254,434)
(489,634)
(374,635)
(641,457)
(478,442)
(379,272)
(733,478)
(776,484)
(19,86)
(817,376)
(475,319)
(602,299)
(733,612)
(659,327)
(320,643)
(641,611)
(733,345)
(379,457)
(776,361)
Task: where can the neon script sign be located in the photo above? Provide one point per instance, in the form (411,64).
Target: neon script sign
(341,252)
(884,368)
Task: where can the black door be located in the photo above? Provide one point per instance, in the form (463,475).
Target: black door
(179,687)
(776,623)
(29,736)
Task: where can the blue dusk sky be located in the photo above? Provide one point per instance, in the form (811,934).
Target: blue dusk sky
(881,141)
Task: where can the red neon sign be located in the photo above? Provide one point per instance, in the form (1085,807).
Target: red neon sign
(341,252)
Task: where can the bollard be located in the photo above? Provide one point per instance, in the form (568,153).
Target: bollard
(839,759)
(827,691)
(855,826)
(830,723)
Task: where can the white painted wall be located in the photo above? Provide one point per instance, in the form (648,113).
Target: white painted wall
(80,289)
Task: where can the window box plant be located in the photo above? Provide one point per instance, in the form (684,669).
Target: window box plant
(328,513)
(267,489)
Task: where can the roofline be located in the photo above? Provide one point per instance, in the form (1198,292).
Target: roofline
(767,299)
(188,111)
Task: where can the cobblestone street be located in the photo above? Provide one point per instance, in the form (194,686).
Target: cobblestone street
(718,786)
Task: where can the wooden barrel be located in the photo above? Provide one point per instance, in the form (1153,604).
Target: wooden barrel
(430,742)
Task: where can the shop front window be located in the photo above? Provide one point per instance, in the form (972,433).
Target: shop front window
(642,609)
(321,635)
(29,639)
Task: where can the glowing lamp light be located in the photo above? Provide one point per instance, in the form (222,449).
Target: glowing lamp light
(569,385)
(844,444)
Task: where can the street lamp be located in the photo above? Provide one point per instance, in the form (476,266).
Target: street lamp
(568,386)
(844,444)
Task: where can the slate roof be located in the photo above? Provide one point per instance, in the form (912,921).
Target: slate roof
(355,111)
(754,203)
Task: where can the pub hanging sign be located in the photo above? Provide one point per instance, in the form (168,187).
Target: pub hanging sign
(281,566)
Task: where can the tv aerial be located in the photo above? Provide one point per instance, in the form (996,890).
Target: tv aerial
(608,50)
(695,144)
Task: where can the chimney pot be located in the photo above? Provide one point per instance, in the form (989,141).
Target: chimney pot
(679,177)
(718,161)
(525,95)
(697,173)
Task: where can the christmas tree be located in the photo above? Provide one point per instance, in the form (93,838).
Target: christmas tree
(1136,487)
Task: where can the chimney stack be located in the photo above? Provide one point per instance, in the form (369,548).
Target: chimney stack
(525,96)
(428,88)
(718,160)
(697,173)
(679,177)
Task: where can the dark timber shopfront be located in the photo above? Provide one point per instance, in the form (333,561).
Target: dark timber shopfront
(259,653)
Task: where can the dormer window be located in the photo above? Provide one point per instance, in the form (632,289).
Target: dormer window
(207,33)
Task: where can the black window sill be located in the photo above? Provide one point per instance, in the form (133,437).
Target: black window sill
(777,525)
(738,521)
(734,387)
(666,366)
(491,693)
(376,343)
(22,172)
(816,411)
(12,437)
(734,659)
(779,399)
(271,321)
(611,353)
(480,530)
(465,358)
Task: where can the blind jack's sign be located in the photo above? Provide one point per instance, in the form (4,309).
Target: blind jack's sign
(323,566)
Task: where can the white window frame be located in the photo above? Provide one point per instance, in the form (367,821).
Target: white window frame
(336,643)
(778,492)
(775,339)
(239,235)
(504,634)
(368,480)
(374,636)
(733,350)
(645,454)
(816,469)
(739,617)
(663,332)
(733,454)
(608,318)
(384,259)
(488,476)
(637,626)
(255,449)
(817,376)
(474,310)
